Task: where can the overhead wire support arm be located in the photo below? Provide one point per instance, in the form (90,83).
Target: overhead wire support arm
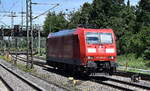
(42,3)
(46,11)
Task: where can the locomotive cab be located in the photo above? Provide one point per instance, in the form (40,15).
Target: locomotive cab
(100,50)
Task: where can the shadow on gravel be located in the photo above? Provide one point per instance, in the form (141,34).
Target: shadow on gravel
(57,71)
(100,79)
(39,63)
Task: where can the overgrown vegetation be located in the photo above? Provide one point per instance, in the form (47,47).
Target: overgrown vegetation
(6,58)
(20,66)
(42,52)
(131,60)
(23,67)
(131,63)
(131,24)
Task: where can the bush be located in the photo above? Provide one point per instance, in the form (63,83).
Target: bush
(133,61)
(146,54)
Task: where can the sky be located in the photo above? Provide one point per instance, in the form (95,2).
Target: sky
(16,6)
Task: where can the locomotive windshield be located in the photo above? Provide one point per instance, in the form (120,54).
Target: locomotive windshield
(99,38)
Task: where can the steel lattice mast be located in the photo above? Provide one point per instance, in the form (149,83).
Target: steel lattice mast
(29,32)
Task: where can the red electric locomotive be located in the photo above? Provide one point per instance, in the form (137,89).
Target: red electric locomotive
(84,50)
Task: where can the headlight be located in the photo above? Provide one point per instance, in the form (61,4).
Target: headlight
(108,50)
(91,50)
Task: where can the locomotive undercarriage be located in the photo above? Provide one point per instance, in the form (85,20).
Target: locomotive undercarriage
(91,68)
(107,67)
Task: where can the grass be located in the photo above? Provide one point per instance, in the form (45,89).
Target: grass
(131,61)
(5,57)
(1,57)
(20,66)
(43,50)
(25,69)
(41,55)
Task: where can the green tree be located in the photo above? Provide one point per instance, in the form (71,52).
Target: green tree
(143,13)
(84,16)
(139,43)
(54,22)
(103,11)
(74,19)
(81,16)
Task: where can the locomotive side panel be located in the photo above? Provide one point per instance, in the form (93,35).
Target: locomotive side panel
(64,49)
(76,48)
(67,45)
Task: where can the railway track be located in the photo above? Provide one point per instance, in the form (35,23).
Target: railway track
(19,78)
(97,80)
(41,64)
(109,78)
(132,84)
(5,85)
(120,73)
(129,74)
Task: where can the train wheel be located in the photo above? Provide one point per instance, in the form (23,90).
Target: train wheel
(86,72)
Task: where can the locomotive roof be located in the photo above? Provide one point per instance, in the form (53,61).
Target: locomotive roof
(71,31)
(62,33)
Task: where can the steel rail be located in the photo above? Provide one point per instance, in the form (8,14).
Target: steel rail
(111,85)
(34,86)
(6,84)
(119,72)
(129,74)
(109,78)
(129,83)
(41,65)
(98,81)
(35,62)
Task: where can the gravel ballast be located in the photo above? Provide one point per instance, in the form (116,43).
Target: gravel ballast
(3,87)
(14,82)
(19,86)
